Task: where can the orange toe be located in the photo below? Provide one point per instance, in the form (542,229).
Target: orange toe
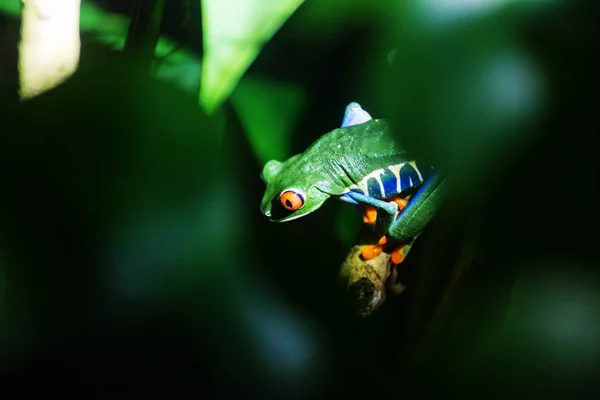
(370,252)
(370,215)
(402,203)
(398,255)
(382,241)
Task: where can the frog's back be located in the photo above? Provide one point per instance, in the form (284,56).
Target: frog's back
(367,159)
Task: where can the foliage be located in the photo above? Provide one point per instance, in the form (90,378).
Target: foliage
(269,111)
(127,209)
(234,32)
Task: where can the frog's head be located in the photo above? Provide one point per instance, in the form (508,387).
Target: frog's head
(292,190)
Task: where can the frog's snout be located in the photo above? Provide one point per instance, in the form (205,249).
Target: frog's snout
(265,209)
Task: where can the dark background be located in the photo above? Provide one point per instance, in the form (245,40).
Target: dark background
(136,261)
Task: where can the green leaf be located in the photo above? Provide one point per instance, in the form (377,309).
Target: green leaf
(269,111)
(234,32)
(107,27)
(181,67)
(11,7)
(94,19)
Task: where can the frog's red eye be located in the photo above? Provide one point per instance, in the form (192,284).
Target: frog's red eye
(291,200)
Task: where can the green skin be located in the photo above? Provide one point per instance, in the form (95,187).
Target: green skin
(339,159)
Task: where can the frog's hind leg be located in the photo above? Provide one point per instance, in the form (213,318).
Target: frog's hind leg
(355,115)
(420,210)
(400,252)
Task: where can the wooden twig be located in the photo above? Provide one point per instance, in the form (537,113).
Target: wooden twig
(368,281)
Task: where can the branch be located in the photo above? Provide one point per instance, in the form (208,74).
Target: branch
(367,280)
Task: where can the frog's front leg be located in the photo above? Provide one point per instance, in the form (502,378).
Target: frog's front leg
(369,218)
(381,214)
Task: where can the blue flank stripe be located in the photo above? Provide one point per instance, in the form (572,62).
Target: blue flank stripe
(374,188)
(408,177)
(390,184)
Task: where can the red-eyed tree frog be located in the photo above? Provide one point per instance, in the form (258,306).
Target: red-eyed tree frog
(360,163)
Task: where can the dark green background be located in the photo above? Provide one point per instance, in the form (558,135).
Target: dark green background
(135,259)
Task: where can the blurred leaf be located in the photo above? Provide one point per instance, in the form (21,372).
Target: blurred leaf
(181,67)
(234,32)
(442,14)
(327,20)
(11,7)
(269,111)
(94,19)
(467,117)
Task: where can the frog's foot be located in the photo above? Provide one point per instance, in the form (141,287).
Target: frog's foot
(394,288)
(372,251)
(370,216)
(398,255)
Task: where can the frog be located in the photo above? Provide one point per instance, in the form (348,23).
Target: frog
(361,163)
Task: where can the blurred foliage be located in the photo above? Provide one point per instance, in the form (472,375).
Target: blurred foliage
(131,234)
(329,20)
(93,18)
(3,294)
(485,69)
(269,111)
(234,33)
(231,38)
